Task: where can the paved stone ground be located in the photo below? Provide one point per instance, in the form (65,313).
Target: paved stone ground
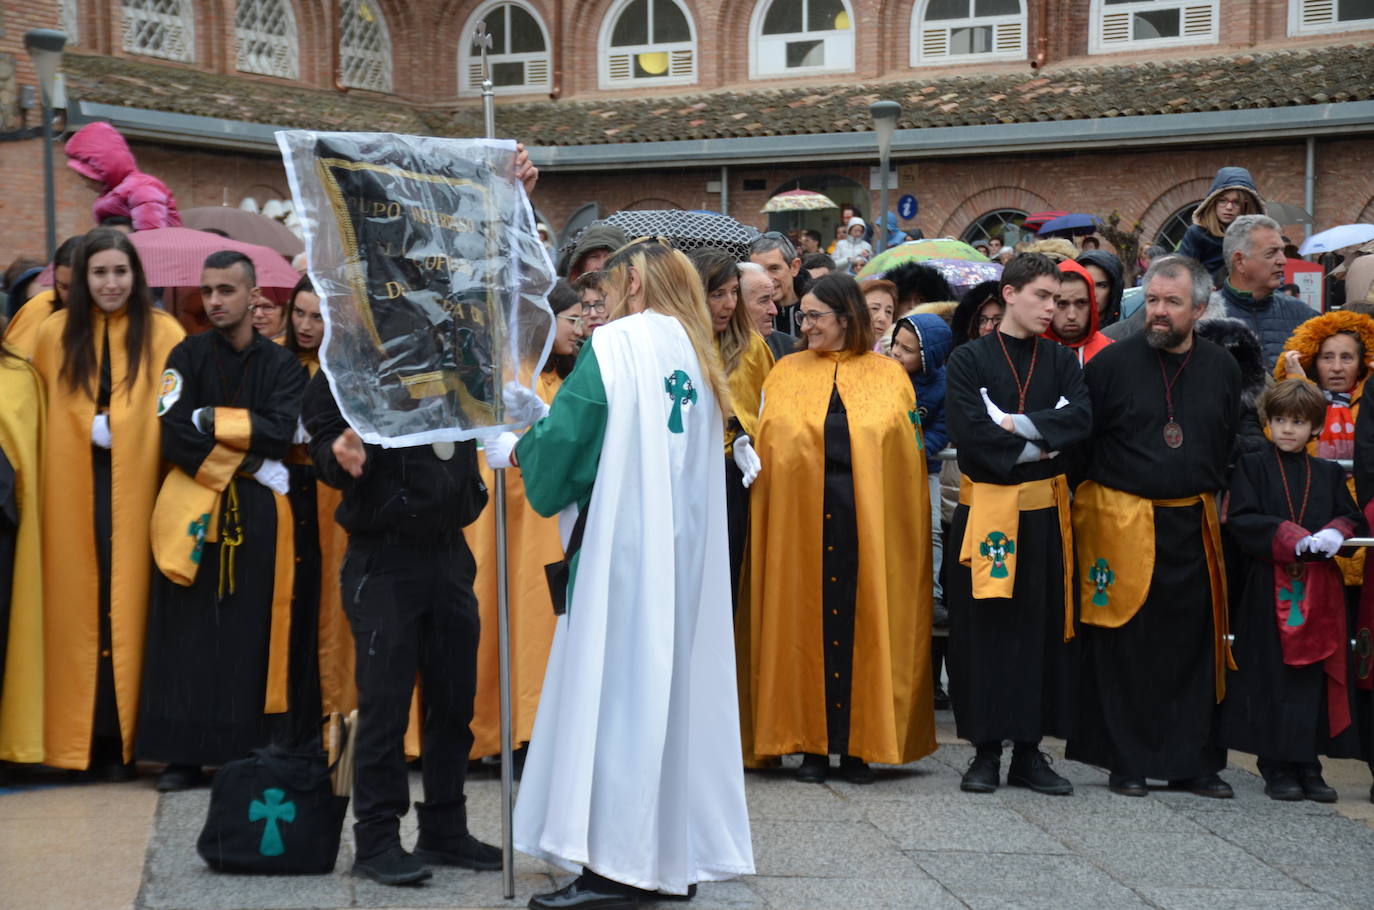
(910,840)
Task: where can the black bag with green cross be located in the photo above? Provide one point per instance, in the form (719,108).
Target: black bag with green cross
(273,813)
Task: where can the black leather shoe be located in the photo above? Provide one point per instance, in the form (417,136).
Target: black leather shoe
(813,769)
(1125,785)
(1314,786)
(1210,785)
(941,698)
(982,774)
(179,777)
(466,852)
(665,896)
(393,866)
(588,892)
(855,771)
(117,772)
(1032,769)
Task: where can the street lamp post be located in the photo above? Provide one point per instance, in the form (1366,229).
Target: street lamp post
(885,114)
(45,50)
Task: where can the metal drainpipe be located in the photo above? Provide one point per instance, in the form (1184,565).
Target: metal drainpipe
(556,90)
(1309,194)
(725,189)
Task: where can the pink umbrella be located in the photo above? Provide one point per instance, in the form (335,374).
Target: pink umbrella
(172,257)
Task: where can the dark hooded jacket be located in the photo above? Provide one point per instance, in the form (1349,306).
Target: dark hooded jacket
(936,342)
(1108,263)
(1242,343)
(1272,318)
(99,152)
(1199,243)
(962,322)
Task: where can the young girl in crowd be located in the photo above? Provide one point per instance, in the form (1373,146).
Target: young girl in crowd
(1232,194)
(852,245)
(1289,513)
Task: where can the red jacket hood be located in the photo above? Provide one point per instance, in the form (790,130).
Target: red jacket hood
(1069,267)
(98,151)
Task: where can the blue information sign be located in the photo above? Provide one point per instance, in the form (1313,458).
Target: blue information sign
(907,206)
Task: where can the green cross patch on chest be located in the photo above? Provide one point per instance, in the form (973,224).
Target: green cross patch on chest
(679,388)
(997,547)
(274,810)
(1102,577)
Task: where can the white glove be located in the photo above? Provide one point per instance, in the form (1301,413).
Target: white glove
(996,413)
(1327,542)
(1061,403)
(747,460)
(1302,546)
(100,431)
(301,437)
(203,419)
(499,448)
(274,476)
(522,405)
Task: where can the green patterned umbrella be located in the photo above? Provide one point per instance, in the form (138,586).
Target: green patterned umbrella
(920,251)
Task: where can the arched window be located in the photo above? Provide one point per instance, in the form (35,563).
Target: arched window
(1118,24)
(647,42)
(265,31)
(954,30)
(1174,227)
(1306,17)
(801,36)
(365,46)
(71,21)
(160,28)
(519,52)
(1004,224)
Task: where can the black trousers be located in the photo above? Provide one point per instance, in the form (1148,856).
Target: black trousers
(412,609)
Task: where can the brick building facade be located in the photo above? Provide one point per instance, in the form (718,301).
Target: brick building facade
(1008,105)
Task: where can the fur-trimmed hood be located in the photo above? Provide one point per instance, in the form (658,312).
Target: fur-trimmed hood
(1307,338)
(1242,343)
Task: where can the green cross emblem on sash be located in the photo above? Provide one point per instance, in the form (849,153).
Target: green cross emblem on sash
(1294,594)
(914,415)
(197,531)
(679,388)
(1102,577)
(997,547)
(274,810)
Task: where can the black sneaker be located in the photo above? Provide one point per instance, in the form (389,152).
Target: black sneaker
(1314,786)
(982,774)
(466,852)
(1031,769)
(393,866)
(179,777)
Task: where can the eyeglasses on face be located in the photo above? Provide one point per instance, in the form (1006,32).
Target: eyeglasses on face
(990,320)
(813,316)
(577,321)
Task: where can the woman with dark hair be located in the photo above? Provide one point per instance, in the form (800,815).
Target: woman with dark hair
(19,334)
(100,359)
(979,312)
(747,360)
(837,633)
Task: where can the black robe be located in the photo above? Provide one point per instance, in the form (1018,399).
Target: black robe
(1012,675)
(205,674)
(1148,699)
(1273,710)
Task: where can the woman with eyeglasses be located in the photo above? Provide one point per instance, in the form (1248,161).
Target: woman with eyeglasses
(101,362)
(532,544)
(747,360)
(270,318)
(837,637)
(633,777)
(1233,194)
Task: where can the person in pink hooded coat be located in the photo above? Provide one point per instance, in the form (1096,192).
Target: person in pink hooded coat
(99,153)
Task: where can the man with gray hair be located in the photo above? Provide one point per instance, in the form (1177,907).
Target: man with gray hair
(1253,247)
(1165,405)
(756,293)
(779,259)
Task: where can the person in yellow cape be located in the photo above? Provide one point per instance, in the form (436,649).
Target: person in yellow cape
(1014,401)
(22,330)
(99,359)
(1152,578)
(21,569)
(747,360)
(835,641)
(533,543)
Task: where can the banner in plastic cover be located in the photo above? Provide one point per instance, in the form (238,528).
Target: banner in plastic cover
(431,277)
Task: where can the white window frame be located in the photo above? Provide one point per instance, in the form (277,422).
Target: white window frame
(384,57)
(1008,36)
(183,21)
(1105,31)
(470,63)
(839,45)
(71,21)
(1297,10)
(682,55)
(286,48)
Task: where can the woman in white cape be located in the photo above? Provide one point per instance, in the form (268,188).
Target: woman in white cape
(634,777)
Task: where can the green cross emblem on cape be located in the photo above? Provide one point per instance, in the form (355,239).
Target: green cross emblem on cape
(914,415)
(274,810)
(997,547)
(1294,594)
(196,531)
(1102,577)
(679,388)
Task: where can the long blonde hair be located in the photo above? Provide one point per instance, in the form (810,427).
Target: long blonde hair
(670,285)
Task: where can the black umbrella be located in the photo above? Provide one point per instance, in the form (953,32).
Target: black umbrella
(687,231)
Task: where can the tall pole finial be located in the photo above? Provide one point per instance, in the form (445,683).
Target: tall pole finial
(481,40)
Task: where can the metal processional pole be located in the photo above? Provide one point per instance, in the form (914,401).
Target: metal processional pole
(482,42)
